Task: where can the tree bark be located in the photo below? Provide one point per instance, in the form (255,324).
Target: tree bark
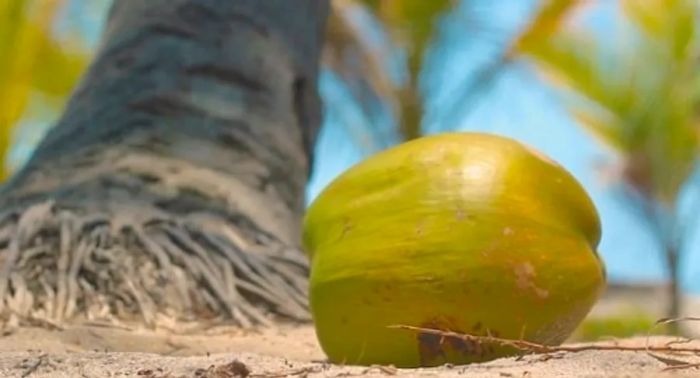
(172,187)
(673,309)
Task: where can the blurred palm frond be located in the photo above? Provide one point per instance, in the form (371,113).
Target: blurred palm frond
(32,60)
(640,96)
(387,71)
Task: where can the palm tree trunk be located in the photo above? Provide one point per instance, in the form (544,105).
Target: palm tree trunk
(172,187)
(673,309)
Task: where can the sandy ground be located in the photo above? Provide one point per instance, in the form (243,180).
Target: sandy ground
(90,351)
(99,351)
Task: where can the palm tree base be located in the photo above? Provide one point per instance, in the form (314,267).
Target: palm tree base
(113,259)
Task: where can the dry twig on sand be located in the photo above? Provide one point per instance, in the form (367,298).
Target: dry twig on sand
(673,347)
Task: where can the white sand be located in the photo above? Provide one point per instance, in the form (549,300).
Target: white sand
(91,351)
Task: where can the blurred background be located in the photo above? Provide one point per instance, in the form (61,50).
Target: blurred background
(608,88)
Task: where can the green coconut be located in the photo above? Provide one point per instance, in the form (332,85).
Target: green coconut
(467,232)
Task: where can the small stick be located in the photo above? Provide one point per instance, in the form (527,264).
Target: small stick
(281,374)
(681,367)
(529,346)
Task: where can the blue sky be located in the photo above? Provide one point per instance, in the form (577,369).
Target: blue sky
(518,105)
